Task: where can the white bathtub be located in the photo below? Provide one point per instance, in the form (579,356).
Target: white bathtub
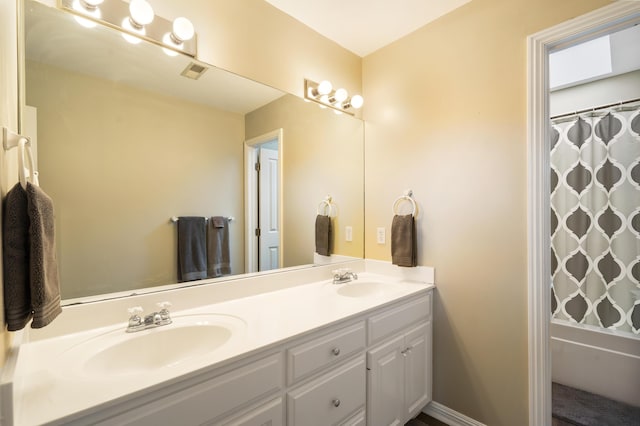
(597,361)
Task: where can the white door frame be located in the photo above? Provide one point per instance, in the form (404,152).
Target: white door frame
(251,149)
(618,15)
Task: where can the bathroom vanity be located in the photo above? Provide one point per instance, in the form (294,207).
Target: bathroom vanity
(289,348)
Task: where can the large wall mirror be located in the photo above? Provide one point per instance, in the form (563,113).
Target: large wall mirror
(124,142)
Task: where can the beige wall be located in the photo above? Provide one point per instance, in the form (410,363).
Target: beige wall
(445,112)
(323,155)
(115,189)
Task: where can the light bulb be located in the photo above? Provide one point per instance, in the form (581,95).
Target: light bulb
(341,95)
(324,99)
(141,12)
(88,9)
(168,39)
(127,25)
(325,87)
(357,101)
(93,3)
(183,29)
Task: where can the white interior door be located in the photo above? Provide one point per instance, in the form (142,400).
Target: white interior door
(268,214)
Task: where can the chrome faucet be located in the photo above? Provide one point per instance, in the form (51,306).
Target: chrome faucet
(156,319)
(343,275)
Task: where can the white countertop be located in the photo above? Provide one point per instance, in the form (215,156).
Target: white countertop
(48,384)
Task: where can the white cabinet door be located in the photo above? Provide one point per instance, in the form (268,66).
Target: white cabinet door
(417,369)
(385,384)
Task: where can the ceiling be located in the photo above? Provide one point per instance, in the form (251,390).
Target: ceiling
(364,26)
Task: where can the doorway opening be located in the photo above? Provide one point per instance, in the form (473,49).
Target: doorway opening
(591,26)
(263,202)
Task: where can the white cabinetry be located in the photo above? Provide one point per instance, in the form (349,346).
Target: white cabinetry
(373,368)
(399,368)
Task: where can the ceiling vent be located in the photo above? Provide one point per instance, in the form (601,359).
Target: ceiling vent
(194,71)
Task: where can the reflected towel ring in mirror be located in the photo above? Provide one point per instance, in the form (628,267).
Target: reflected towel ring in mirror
(325,204)
(407,196)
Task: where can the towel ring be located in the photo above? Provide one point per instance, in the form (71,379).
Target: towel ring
(407,196)
(26,174)
(324,204)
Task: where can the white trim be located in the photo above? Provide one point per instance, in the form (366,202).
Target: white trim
(449,416)
(605,20)
(250,207)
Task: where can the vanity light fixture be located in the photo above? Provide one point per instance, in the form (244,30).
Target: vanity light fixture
(137,22)
(323,94)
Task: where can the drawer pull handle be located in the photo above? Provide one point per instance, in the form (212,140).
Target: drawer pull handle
(336,402)
(335,351)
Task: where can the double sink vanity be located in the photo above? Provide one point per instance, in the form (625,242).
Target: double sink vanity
(290,347)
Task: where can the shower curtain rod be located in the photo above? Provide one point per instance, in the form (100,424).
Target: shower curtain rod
(569,114)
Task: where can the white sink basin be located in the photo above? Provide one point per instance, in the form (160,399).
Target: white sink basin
(121,353)
(365,289)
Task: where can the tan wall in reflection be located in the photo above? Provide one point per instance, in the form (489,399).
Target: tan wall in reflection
(256,40)
(115,188)
(317,142)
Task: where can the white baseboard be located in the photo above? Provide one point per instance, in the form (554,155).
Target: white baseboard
(449,416)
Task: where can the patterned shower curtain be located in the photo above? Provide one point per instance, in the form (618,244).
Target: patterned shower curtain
(595,220)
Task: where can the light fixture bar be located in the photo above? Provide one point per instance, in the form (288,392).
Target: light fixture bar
(336,99)
(113,12)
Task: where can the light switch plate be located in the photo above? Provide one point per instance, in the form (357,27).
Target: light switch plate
(348,233)
(380,235)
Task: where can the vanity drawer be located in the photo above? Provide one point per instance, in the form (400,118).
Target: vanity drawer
(313,356)
(208,400)
(270,414)
(395,319)
(329,399)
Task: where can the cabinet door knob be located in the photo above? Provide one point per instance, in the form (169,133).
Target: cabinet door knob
(336,402)
(335,351)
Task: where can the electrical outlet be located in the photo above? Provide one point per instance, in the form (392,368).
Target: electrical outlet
(348,233)
(380,235)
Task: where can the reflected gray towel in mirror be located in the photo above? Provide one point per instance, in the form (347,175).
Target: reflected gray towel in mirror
(192,248)
(218,257)
(43,265)
(404,241)
(31,283)
(323,235)
(15,246)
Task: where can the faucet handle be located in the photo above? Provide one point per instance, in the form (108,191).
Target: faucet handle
(163,305)
(135,310)
(165,315)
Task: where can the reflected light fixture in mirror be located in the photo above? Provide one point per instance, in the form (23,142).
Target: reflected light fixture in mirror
(137,21)
(87,7)
(140,14)
(323,94)
(182,30)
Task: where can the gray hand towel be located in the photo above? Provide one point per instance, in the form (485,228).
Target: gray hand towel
(15,245)
(218,258)
(192,249)
(323,235)
(403,241)
(43,265)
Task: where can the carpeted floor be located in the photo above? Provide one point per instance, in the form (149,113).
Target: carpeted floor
(577,407)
